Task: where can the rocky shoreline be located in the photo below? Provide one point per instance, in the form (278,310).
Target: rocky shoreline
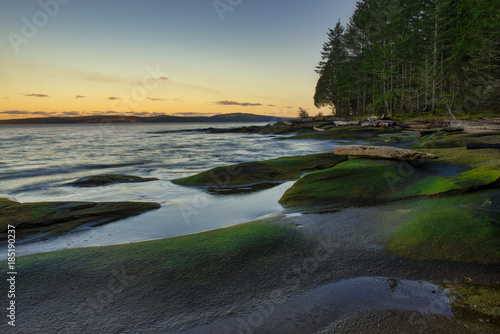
(323,123)
(427,220)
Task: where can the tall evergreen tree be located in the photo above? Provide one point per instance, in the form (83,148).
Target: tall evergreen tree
(329,68)
(401,56)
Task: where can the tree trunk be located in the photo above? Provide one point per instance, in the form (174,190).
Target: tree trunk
(434,70)
(426,102)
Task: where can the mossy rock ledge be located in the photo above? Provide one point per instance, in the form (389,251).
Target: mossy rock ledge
(461,228)
(275,170)
(364,182)
(444,140)
(57,217)
(106,179)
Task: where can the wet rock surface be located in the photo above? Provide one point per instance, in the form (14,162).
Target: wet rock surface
(56,217)
(107,179)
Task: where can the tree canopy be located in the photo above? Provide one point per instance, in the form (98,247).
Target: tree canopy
(413,56)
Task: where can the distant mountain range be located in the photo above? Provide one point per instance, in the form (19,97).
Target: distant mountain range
(235,117)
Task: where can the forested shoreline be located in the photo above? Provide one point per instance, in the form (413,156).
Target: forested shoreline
(410,57)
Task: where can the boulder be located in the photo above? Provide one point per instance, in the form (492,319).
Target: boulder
(256,172)
(382,152)
(57,217)
(106,179)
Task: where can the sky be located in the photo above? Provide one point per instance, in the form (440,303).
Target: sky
(152,57)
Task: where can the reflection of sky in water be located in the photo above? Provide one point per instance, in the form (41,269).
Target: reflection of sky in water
(319,307)
(184,211)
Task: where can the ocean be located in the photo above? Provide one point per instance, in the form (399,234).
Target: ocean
(38,161)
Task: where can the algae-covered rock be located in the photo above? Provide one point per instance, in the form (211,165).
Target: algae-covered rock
(281,169)
(356,182)
(460,156)
(470,302)
(460,228)
(103,180)
(194,260)
(362,182)
(6,202)
(63,216)
(443,140)
(475,179)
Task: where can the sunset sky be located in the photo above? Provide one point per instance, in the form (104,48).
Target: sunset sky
(176,57)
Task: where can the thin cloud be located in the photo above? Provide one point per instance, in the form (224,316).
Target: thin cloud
(15,112)
(35,95)
(234,103)
(156,99)
(139,113)
(112,112)
(6,98)
(71,113)
(288,107)
(192,114)
(113,98)
(79,97)
(271,105)
(43,113)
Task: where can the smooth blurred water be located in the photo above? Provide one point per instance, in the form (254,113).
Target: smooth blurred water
(38,161)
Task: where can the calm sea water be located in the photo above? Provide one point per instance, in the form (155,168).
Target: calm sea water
(38,162)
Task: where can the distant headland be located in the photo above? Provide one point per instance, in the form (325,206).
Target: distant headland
(234,117)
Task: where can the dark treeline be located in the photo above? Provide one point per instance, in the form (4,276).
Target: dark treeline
(413,56)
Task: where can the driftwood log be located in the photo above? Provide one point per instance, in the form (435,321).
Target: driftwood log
(477,124)
(346,123)
(377,124)
(382,152)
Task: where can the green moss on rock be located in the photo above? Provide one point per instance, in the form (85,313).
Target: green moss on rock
(483,177)
(6,202)
(191,260)
(355,182)
(106,179)
(361,182)
(281,169)
(63,216)
(461,228)
(468,158)
(444,140)
(471,302)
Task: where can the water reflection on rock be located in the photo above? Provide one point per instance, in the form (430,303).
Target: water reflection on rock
(324,305)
